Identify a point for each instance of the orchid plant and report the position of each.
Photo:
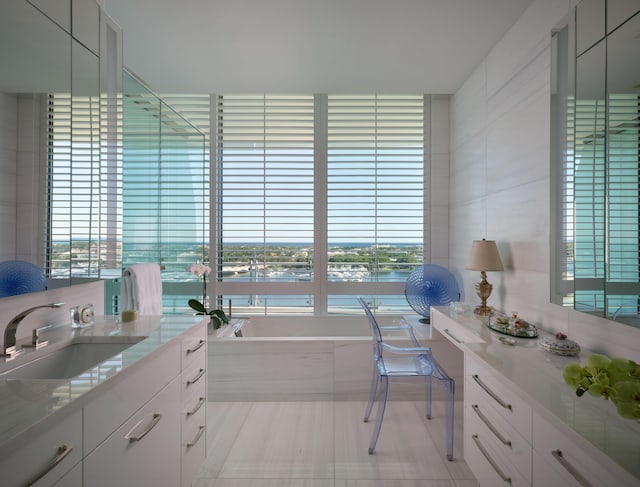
(217, 316)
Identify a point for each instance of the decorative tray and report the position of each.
(512, 326)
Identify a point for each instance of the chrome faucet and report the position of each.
(9, 346)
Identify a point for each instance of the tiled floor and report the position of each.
(324, 444)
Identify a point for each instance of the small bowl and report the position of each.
(560, 345)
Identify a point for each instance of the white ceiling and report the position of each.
(310, 46)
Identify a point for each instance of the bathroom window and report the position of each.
(318, 196)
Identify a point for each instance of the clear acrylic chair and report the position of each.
(391, 361)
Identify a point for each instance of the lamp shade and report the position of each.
(484, 256)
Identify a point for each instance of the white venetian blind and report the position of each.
(74, 246)
(376, 173)
(265, 151)
(623, 179)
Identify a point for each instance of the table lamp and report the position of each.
(484, 257)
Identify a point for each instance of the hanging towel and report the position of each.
(141, 289)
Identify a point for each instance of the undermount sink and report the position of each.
(68, 361)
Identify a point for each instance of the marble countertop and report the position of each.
(25, 404)
(537, 375)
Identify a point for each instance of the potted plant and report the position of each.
(217, 317)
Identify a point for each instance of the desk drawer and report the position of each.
(491, 391)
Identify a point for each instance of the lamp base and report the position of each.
(483, 289)
(483, 310)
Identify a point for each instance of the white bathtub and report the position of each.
(291, 358)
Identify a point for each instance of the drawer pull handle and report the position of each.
(196, 348)
(493, 429)
(196, 378)
(446, 330)
(197, 438)
(491, 393)
(154, 421)
(201, 401)
(557, 454)
(485, 453)
(61, 454)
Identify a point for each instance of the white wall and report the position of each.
(500, 181)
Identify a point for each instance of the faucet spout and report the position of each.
(9, 346)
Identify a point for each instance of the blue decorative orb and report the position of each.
(430, 285)
(20, 277)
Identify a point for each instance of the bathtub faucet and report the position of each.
(9, 346)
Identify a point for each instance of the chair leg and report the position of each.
(374, 390)
(428, 382)
(382, 402)
(451, 388)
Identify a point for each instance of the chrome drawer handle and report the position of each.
(446, 330)
(197, 438)
(201, 401)
(196, 348)
(557, 454)
(196, 378)
(490, 460)
(61, 454)
(493, 429)
(154, 421)
(491, 393)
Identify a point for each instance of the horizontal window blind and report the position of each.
(589, 189)
(623, 179)
(265, 150)
(375, 181)
(75, 248)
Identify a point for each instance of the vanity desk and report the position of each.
(523, 425)
(131, 412)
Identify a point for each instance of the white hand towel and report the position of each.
(141, 289)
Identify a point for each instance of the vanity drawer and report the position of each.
(505, 441)
(145, 447)
(562, 461)
(194, 381)
(51, 454)
(194, 441)
(491, 391)
(489, 467)
(101, 418)
(194, 346)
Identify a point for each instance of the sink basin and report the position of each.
(66, 362)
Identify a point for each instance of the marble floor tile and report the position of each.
(283, 440)
(224, 421)
(457, 468)
(404, 450)
(324, 444)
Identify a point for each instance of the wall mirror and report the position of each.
(596, 266)
(40, 57)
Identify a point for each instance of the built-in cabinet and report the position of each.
(148, 428)
(523, 426)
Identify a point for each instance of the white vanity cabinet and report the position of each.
(523, 426)
(193, 397)
(48, 459)
(497, 428)
(144, 450)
